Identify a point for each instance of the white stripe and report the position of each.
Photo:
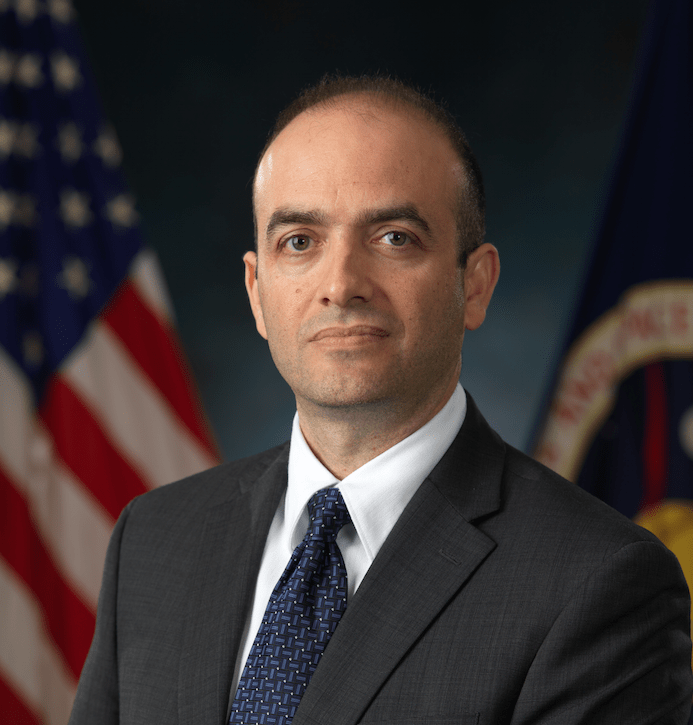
(149, 281)
(72, 524)
(28, 662)
(140, 422)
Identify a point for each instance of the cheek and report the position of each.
(443, 311)
(443, 298)
(281, 315)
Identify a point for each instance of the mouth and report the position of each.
(351, 331)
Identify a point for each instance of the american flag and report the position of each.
(96, 403)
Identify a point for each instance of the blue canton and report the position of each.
(301, 616)
(68, 226)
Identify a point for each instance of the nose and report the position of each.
(345, 275)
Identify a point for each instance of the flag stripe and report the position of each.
(78, 530)
(655, 450)
(29, 662)
(147, 277)
(159, 355)
(69, 622)
(85, 449)
(131, 411)
(66, 515)
(13, 710)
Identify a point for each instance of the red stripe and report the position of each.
(158, 353)
(87, 451)
(655, 450)
(69, 621)
(14, 711)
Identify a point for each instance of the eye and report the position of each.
(298, 243)
(397, 239)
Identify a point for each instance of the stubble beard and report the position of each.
(350, 394)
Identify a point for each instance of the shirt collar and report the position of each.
(377, 493)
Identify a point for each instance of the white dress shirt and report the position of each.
(375, 495)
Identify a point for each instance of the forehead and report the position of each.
(354, 154)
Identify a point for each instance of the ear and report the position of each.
(480, 277)
(251, 286)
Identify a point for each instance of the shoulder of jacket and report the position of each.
(200, 490)
(538, 490)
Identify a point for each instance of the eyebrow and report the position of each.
(285, 217)
(404, 212)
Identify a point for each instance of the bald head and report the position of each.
(371, 94)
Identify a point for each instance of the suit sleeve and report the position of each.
(97, 693)
(620, 651)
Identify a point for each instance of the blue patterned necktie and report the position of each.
(301, 616)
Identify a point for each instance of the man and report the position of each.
(466, 582)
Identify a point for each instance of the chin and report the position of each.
(345, 395)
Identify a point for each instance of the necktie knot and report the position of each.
(328, 514)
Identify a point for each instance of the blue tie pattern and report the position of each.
(301, 616)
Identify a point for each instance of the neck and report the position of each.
(345, 438)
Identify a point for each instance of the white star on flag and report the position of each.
(121, 211)
(70, 142)
(75, 278)
(8, 277)
(107, 148)
(74, 208)
(26, 10)
(65, 72)
(60, 10)
(28, 71)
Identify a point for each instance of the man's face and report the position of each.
(358, 289)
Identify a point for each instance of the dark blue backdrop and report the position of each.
(192, 89)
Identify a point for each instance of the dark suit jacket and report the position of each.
(504, 594)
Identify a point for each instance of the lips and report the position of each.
(351, 331)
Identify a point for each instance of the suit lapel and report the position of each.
(230, 551)
(430, 554)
